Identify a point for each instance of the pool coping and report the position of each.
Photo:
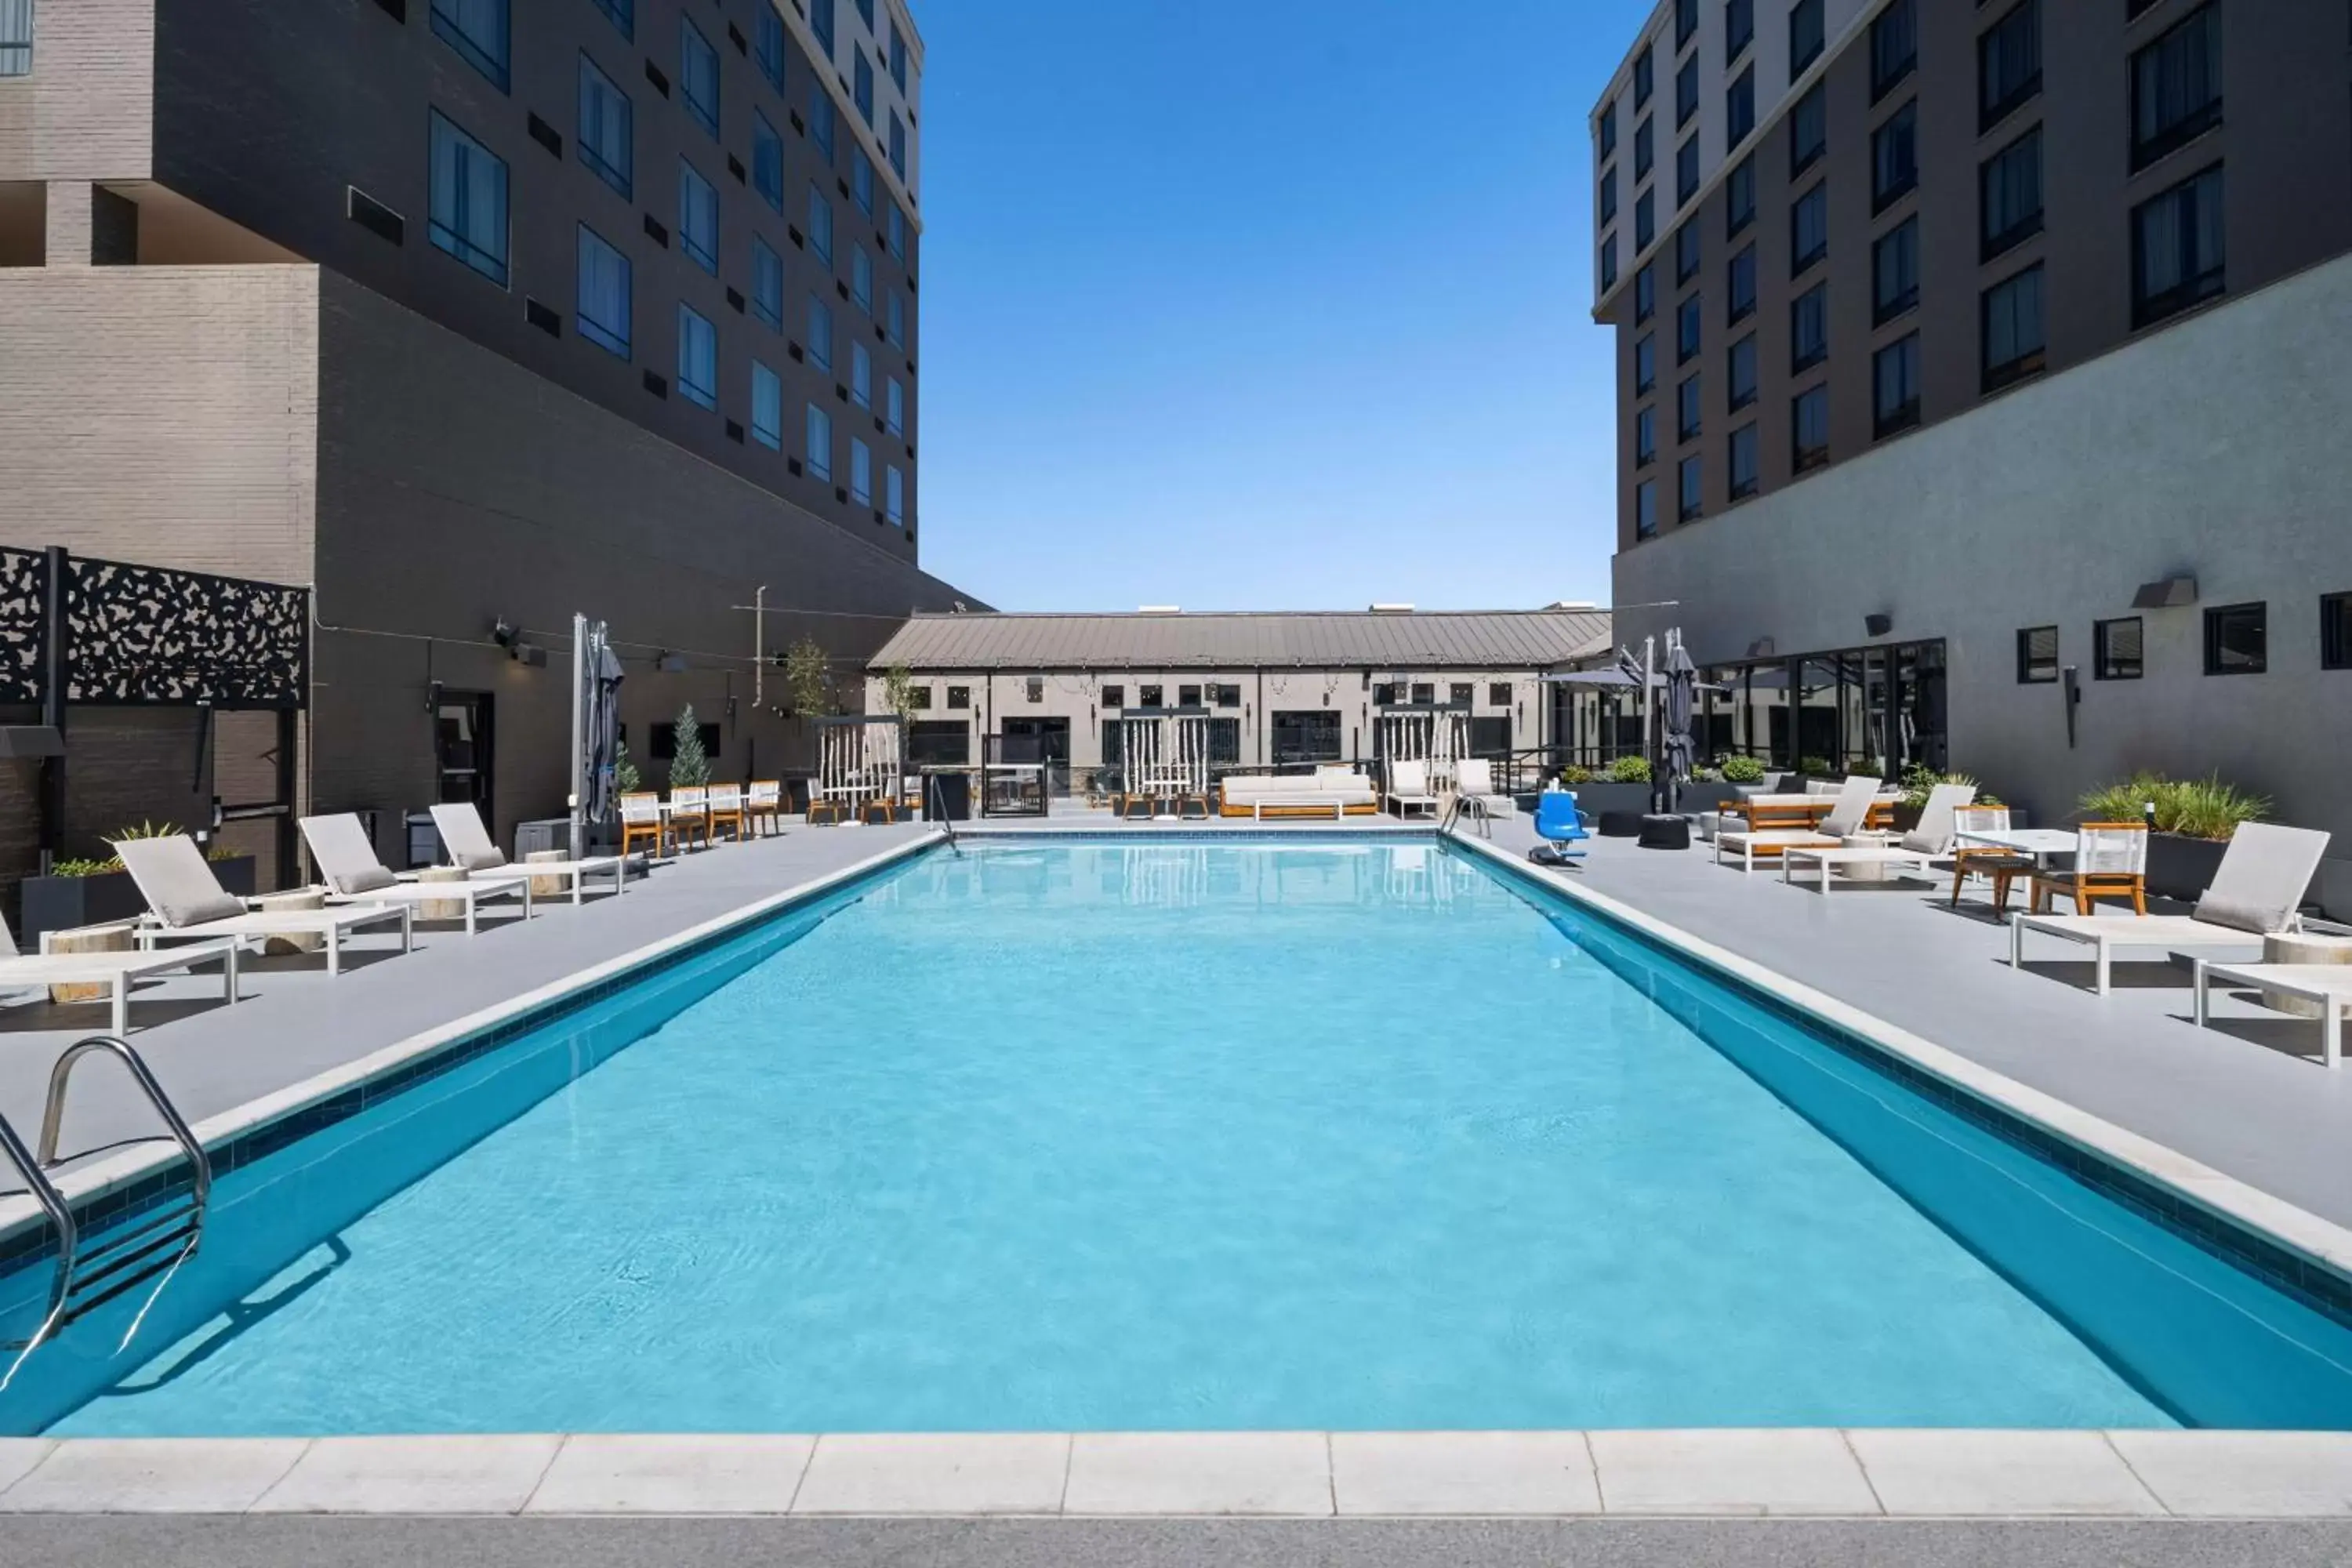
(1826, 1473)
(2321, 1243)
(114, 1174)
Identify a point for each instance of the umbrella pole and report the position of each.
(579, 684)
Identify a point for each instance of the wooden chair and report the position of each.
(2002, 865)
(725, 809)
(641, 822)
(690, 812)
(764, 805)
(2110, 862)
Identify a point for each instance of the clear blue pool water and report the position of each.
(1179, 1135)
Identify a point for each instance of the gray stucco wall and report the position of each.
(2216, 449)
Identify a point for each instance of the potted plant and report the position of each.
(88, 891)
(1919, 781)
(2190, 822)
(1622, 786)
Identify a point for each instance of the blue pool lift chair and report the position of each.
(1559, 824)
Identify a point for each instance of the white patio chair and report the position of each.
(353, 874)
(469, 844)
(186, 903)
(115, 970)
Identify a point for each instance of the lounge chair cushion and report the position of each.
(178, 886)
(339, 845)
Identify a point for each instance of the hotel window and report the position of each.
(16, 37)
(1112, 697)
(1646, 219)
(1742, 291)
(1149, 697)
(604, 140)
(816, 454)
(478, 30)
(698, 75)
(2176, 87)
(2008, 64)
(2116, 649)
(1895, 157)
(1646, 293)
(697, 358)
(898, 144)
(894, 405)
(1739, 26)
(1808, 423)
(1645, 510)
(1893, 47)
(1645, 364)
(1685, 21)
(1687, 321)
(1809, 329)
(820, 225)
(623, 14)
(820, 16)
(469, 201)
(820, 334)
(861, 472)
(1809, 131)
(1644, 78)
(1895, 374)
(1686, 252)
(1809, 229)
(1645, 436)
(1686, 92)
(1740, 108)
(1608, 129)
(1894, 272)
(861, 180)
(861, 92)
(767, 162)
(821, 118)
(1692, 481)
(2037, 656)
(1740, 367)
(1805, 36)
(1608, 263)
(767, 284)
(767, 407)
(959, 697)
(1459, 694)
(2336, 631)
(1686, 170)
(894, 495)
(2177, 248)
(895, 327)
(1609, 194)
(861, 280)
(861, 376)
(897, 56)
(1687, 409)
(600, 308)
(2237, 639)
(767, 45)
(2013, 346)
(697, 218)
(1743, 462)
(2009, 186)
(1739, 198)
(1645, 151)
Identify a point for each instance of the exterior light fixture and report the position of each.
(2170, 593)
(1878, 626)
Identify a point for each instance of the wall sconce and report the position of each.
(1878, 626)
(433, 696)
(530, 656)
(2172, 594)
(503, 632)
(670, 663)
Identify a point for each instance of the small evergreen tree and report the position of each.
(626, 779)
(689, 764)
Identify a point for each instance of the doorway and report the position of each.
(462, 734)
(1045, 741)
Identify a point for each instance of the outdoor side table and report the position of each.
(1866, 871)
(2302, 948)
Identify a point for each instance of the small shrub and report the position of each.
(1706, 775)
(1919, 781)
(2194, 808)
(625, 778)
(1575, 774)
(1816, 767)
(1629, 770)
(1742, 771)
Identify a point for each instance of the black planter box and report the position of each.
(1601, 795)
(2180, 867)
(62, 904)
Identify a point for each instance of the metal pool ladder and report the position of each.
(147, 1245)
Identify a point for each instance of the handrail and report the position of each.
(53, 1117)
(54, 1204)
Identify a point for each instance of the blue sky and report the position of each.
(1257, 304)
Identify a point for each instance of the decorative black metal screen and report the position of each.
(154, 636)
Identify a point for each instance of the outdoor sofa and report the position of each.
(1332, 792)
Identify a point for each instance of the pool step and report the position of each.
(93, 1271)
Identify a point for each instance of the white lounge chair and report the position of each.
(186, 903)
(1853, 808)
(2327, 986)
(469, 844)
(353, 875)
(1408, 788)
(115, 970)
(1925, 844)
(1473, 781)
(2255, 894)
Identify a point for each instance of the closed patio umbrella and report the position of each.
(604, 728)
(1682, 698)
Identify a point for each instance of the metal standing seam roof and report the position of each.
(1481, 639)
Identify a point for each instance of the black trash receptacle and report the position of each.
(947, 796)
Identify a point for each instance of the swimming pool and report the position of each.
(1176, 1133)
